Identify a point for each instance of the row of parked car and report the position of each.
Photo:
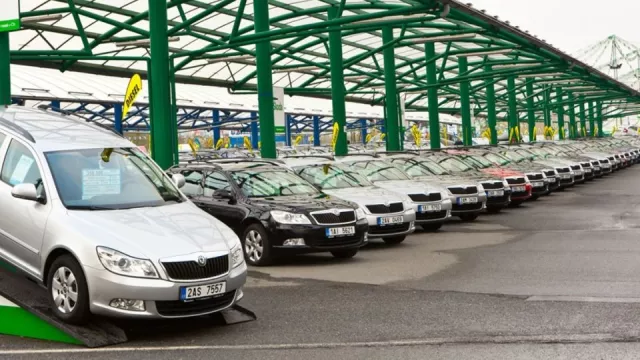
(311, 201)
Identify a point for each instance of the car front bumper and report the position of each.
(315, 237)
(378, 231)
(459, 208)
(428, 217)
(161, 297)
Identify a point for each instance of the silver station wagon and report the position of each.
(89, 216)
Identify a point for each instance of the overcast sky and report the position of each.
(569, 25)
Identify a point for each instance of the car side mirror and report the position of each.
(179, 180)
(25, 192)
(223, 194)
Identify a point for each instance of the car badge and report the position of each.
(386, 203)
(335, 212)
(202, 261)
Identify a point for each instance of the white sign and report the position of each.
(96, 182)
(10, 15)
(279, 120)
(21, 170)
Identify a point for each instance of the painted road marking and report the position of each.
(583, 299)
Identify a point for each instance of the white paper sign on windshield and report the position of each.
(97, 182)
(21, 170)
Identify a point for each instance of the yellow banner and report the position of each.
(133, 90)
(247, 144)
(334, 138)
(297, 141)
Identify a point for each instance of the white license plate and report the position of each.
(429, 208)
(597, 168)
(467, 200)
(537, 184)
(202, 291)
(552, 179)
(390, 220)
(565, 176)
(588, 171)
(578, 172)
(340, 231)
(495, 193)
(519, 189)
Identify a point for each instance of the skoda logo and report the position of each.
(335, 212)
(386, 203)
(202, 261)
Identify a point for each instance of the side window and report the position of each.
(215, 181)
(20, 167)
(193, 183)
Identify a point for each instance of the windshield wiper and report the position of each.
(89, 207)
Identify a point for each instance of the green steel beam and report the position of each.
(265, 82)
(5, 70)
(465, 104)
(161, 124)
(432, 96)
(337, 84)
(583, 118)
(513, 108)
(491, 108)
(592, 118)
(560, 113)
(391, 93)
(547, 107)
(599, 118)
(572, 117)
(531, 113)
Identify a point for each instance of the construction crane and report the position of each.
(615, 57)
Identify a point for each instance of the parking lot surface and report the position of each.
(556, 278)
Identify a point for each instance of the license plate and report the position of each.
(597, 168)
(537, 184)
(578, 172)
(565, 176)
(390, 220)
(340, 231)
(519, 189)
(495, 193)
(430, 207)
(202, 291)
(588, 171)
(467, 200)
(552, 179)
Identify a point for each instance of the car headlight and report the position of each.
(121, 264)
(237, 256)
(480, 189)
(284, 217)
(408, 204)
(360, 215)
(506, 184)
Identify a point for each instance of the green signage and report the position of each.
(280, 129)
(10, 16)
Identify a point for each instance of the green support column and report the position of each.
(592, 119)
(337, 85)
(5, 70)
(560, 112)
(583, 118)
(513, 109)
(491, 107)
(547, 107)
(162, 137)
(392, 118)
(432, 96)
(572, 117)
(465, 103)
(599, 118)
(265, 82)
(531, 113)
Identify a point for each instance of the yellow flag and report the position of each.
(368, 138)
(219, 144)
(247, 144)
(334, 139)
(382, 136)
(133, 90)
(106, 154)
(297, 141)
(192, 145)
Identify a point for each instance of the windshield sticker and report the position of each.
(21, 170)
(97, 182)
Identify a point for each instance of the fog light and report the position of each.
(126, 304)
(366, 236)
(412, 226)
(239, 294)
(294, 242)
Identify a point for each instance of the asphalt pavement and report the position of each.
(553, 279)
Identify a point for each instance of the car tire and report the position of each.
(256, 246)
(344, 254)
(395, 240)
(494, 210)
(66, 280)
(432, 227)
(468, 217)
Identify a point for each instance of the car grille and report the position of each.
(566, 181)
(431, 215)
(575, 167)
(539, 190)
(497, 199)
(425, 197)
(586, 165)
(492, 185)
(515, 181)
(338, 242)
(458, 190)
(383, 209)
(191, 270)
(535, 176)
(331, 218)
(195, 307)
(467, 207)
(550, 173)
(563, 170)
(388, 229)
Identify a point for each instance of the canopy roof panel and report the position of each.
(213, 43)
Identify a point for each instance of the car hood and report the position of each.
(451, 180)
(409, 186)
(367, 195)
(503, 172)
(154, 232)
(301, 203)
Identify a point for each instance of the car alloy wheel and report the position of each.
(64, 290)
(253, 246)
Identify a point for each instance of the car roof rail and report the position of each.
(17, 128)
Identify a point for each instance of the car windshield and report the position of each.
(455, 165)
(421, 168)
(378, 171)
(496, 159)
(272, 182)
(331, 176)
(481, 161)
(527, 154)
(513, 155)
(109, 179)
